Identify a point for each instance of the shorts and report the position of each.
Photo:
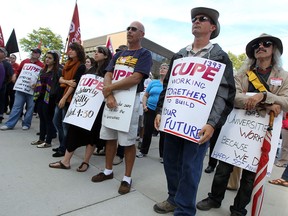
(124, 138)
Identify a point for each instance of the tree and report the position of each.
(237, 60)
(44, 38)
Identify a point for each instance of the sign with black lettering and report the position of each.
(241, 138)
(86, 102)
(27, 78)
(190, 94)
(119, 118)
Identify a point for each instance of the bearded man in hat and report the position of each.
(183, 159)
(264, 61)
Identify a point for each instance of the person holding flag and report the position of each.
(262, 74)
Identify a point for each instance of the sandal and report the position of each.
(79, 169)
(280, 182)
(58, 165)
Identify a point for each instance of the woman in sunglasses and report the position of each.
(77, 136)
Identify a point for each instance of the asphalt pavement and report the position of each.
(28, 187)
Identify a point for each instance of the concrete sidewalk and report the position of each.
(29, 187)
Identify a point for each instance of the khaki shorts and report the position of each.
(124, 138)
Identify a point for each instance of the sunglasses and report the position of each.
(134, 29)
(201, 19)
(264, 44)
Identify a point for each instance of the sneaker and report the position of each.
(4, 127)
(44, 145)
(124, 187)
(58, 154)
(101, 177)
(164, 207)
(25, 128)
(37, 142)
(140, 155)
(207, 204)
(117, 160)
(161, 160)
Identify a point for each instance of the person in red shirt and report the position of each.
(27, 74)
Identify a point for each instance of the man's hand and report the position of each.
(252, 101)
(275, 108)
(205, 133)
(111, 102)
(106, 91)
(157, 121)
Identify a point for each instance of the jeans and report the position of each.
(46, 113)
(219, 186)
(285, 174)
(183, 163)
(20, 99)
(61, 127)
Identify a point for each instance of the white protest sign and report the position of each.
(241, 138)
(190, 94)
(86, 102)
(120, 117)
(27, 77)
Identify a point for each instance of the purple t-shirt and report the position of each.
(140, 60)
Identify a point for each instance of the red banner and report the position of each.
(1, 38)
(109, 46)
(74, 32)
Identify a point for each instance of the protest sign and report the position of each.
(241, 138)
(27, 78)
(86, 102)
(119, 118)
(190, 94)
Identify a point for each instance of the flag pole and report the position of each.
(67, 38)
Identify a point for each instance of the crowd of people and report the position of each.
(51, 87)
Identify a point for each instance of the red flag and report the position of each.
(1, 38)
(12, 45)
(109, 46)
(258, 187)
(74, 32)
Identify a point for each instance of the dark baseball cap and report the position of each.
(37, 50)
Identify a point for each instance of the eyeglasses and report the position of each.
(264, 44)
(201, 19)
(134, 29)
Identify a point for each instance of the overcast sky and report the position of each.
(167, 22)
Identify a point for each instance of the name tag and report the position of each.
(276, 81)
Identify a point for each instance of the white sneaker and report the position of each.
(44, 145)
(140, 155)
(25, 128)
(4, 127)
(117, 160)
